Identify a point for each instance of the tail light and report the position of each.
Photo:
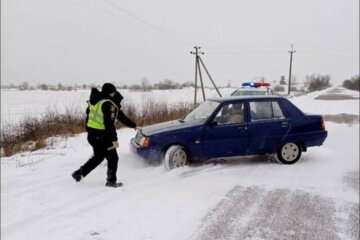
(322, 124)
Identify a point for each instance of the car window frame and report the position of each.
(215, 113)
(206, 120)
(269, 91)
(285, 118)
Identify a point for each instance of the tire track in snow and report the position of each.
(255, 213)
(225, 214)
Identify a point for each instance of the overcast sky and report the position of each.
(97, 41)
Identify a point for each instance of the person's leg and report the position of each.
(112, 159)
(95, 160)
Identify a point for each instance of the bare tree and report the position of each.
(24, 86)
(229, 84)
(316, 82)
(294, 83)
(60, 86)
(352, 83)
(43, 87)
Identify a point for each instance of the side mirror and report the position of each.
(213, 123)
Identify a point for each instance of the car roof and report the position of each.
(260, 89)
(252, 97)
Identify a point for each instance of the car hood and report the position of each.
(167, 127)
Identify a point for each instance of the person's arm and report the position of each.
(125, 120)
(87, 118)
(87, 115)
(109, 121)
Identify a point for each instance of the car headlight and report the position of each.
(144, 141)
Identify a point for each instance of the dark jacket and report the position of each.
(121, 115)
(109, 115)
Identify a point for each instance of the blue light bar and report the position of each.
(255, 85)
(248, 84)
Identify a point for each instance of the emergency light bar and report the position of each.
(256, 85)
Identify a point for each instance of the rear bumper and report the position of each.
(148, 154)
(316, 139)
(309, 139)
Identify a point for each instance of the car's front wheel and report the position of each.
(176, 156)
(288, 153)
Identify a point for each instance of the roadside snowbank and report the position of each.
(40, 200)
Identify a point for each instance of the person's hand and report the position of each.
(115, 144)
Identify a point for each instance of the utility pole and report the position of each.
(199, 61)
(197, 68)
(291, 54)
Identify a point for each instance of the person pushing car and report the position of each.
(102, 113)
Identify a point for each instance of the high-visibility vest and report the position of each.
(96, 116)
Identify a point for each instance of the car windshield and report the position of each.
(202, 112)
(248, 92)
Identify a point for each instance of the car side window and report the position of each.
(230, 113)
(265, 110)
(277, 110)
(260, 110)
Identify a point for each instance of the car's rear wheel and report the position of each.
(288, 153)
(176, 156)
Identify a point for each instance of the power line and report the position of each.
(134, 21)
(246, 52)
(327, 54)
(88, 7)
(326, 49)
(146, 23)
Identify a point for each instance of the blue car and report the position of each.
(232, 126)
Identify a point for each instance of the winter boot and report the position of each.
(77, 175)
(111, 176)
(113, 184)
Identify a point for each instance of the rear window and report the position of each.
(265, 110)
(248, 93)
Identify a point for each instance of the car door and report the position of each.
(226, 134)
(267, 126)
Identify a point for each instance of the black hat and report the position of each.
(108, 88)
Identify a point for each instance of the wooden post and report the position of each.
(291, 55)
(202, 63)
(201, 81)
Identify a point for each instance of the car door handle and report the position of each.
(284, 124)
(242, 129)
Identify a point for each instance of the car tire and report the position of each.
(288, 153)
(176, 156)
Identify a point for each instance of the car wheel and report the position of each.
(289, 153)
(175, 157)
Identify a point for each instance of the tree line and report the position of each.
(313, 82)
(145, 85)
(317, 82)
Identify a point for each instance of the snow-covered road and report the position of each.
(245, 198)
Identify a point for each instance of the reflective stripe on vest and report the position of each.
(96, 116)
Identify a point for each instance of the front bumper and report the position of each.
(150, 154)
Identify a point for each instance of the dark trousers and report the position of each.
(100, 146)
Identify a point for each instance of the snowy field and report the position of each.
(17, 104)
(245, 198)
